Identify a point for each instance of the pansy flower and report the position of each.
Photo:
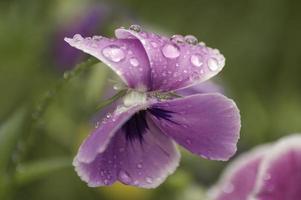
(269, 172)
(135, 144)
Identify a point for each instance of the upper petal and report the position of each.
(98, 140)
(143, 164)
(175, 64)
(279, 175)
(205, 124)
(238, 179)
(126, 57)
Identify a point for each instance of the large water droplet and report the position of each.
(196, 60)
(190, 39)
(171, 51)
(113, 53)
(77, 37)
(134, 62)
(135, 27)
(125, 177)
(177, 39)
(212, 64)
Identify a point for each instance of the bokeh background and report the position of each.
(259, 38)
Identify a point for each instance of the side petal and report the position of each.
(205, 124)
(206, 87)
(125, 56)
(279, 175)
(175, 64)
(143, 164)
(98, 140)
(238, 179)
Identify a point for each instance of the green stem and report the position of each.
(106, 102)
(45, 101)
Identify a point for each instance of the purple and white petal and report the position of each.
(126, 57)
(279, 175)
(98, 140)
(143, 164)
(205, 124)
(206, 87)
(238, 179)
(176, 62)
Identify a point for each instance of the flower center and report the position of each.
(137, 125)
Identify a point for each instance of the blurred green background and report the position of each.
(259, 38)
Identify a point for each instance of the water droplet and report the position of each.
(134, 62)
(97, 37)
(212, 64)
(97, 124)
(149, 179)
(77, 38)
(135, 28)
(188, 141)
(202, 44)
(190, 39)
(106, 181)
(170, 51)
(139, 166)
(125, 177)
(113, 53)
(177, 39)
(196, 60)
(154, 44)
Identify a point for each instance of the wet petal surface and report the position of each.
(126, 57)
(143, 164)
(205, 124)
(176, 62)
(98, 140)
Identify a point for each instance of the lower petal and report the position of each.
(205, 124)
(143, 164)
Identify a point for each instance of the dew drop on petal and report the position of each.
(135, 28)
(77, 37)
(196, 60)
(154, 44)
(124, 177)
(97, 38)
(212, 64)
(134, 62)
(190, 39)
(139, 166)
(113, 53)
(177, 39)
(170, 51)
(106, 181)
(149, 179)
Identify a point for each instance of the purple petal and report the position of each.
(125, 56)
(175, 63)
(206, 124)
(238, 180)
(206, 87)
(98, 140)
(144, 164)
(279, 175)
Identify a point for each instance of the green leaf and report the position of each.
(106, 102)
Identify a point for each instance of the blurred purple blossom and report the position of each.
(269, 172)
